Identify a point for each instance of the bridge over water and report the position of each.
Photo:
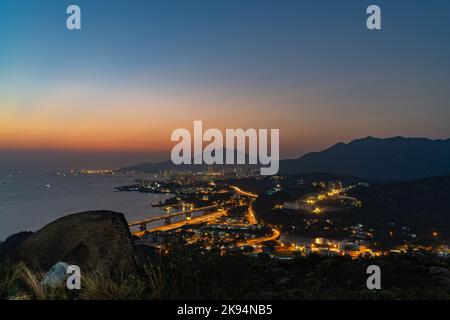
(167, 218)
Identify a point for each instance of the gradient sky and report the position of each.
(112, 93)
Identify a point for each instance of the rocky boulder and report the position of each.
(96, 241)
(10, 244)
(56, 275)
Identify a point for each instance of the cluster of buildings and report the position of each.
(327, 247)
(211, 172)
(333, 198)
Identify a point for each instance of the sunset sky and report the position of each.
(112, 93)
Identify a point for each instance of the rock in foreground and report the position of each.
(11, 243)
(97, 241)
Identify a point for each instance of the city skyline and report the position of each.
(113, 92)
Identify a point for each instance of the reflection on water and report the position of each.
(29, 200)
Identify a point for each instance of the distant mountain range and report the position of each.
(396, 158)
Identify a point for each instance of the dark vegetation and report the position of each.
(190, 272)
(210, 276)
(421, 205)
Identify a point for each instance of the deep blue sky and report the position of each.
(144, 68)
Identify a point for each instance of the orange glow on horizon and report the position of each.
(97, 118)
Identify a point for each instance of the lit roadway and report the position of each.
(137, 223)
(204, 218)
(275, 234)
(176, 225)
(251, 218)
(245, 193)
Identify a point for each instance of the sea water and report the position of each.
(31, 199)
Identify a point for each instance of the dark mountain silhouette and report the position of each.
(168, 165)
(390, 159)
(396, 158)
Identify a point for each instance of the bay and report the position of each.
(31, 199)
